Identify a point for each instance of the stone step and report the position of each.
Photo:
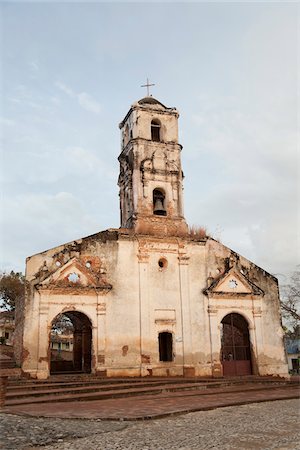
(21, 387)
(7, 365)
(7, 361)
(106, 392)
(23, 391)
(41, 386)
(91, 378)
(136, 381)
(81, 379)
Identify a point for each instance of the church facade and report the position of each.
(152, 298)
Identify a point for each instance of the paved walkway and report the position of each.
(258, 426)
(154, 406)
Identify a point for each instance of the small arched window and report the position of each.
(165, 343)
(159, 203)
(155, 130)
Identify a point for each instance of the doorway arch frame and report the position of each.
(240, 368)
(91, 340)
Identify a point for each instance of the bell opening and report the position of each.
(159, 203)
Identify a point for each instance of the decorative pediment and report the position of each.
(233, 284)
(75, 277)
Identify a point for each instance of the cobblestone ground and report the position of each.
(273, 425)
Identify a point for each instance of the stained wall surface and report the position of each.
(133, 287)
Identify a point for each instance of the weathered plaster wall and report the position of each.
(262, 312)
(146, 299)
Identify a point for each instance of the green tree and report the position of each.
(12, 290)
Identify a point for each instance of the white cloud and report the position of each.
(34, 68)
(52, 164)
(55, 100)
(65, 89)
(250, 148)
(81, 160)
(26, 95)
(7, 122)
(14, 100)
(54, 219)
(86, 101)
(34, 65)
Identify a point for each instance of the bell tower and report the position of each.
(150, 180)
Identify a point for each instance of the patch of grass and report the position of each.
(198, 232)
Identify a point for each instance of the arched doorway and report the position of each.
(71, 343)
(235, 346)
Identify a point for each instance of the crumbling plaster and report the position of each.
(146, 299)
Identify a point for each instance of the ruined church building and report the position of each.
(151, 298)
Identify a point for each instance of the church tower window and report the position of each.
(151, 177)
(155, 130)
(165, 342)
(159, 203)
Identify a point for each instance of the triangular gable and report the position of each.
(74, 275)
(233, 283)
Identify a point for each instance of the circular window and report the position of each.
(58, 263)
(162, 263)
(232, 284)
(88, 264)
(73, 277)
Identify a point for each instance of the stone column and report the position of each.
(101, 325)
(215, 342)
(186, 324)
(30, 350)
(143, 259)
(256, 340)
(43, 340)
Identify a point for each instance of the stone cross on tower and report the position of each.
(147, 85)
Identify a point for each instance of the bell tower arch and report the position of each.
(151, 178)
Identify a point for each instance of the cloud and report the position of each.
(50, 164)
(88, 103)
(34, 67)
(81, 160)
(55, 100)
(65, 89)
(249, 150)
(85, 100)
(26, 95)
(65, 212)
(7, 122)
(257, 216)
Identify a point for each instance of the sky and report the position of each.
(69, 73)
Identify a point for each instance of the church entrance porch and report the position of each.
(235, 346)
(71, 343)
